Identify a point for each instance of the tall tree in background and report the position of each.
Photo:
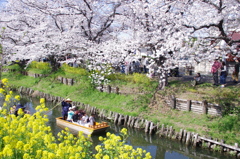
(109, 31)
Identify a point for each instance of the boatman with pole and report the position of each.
(66, 104)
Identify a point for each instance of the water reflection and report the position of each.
(160, 148)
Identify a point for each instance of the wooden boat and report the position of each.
(75, 128)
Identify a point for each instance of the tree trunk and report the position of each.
(163, 78)
(53, 62)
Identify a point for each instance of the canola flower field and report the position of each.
(28, 137)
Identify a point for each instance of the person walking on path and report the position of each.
(236, 71)
(215, 67)
(223, 74)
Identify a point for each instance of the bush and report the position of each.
(141, 79)
(15, 67)
(72, 70)
(134, 78)
(39, 65)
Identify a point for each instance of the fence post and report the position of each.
(109, 88)
(117, 90)
(173, 102)
(101, 88)
(189, 104)
(205, 107)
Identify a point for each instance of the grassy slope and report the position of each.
(136, 101)
(130, 104)
(226, 127)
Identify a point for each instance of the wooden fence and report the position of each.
(188, 138)
(200, 107)
(108, 89)
(66, 81)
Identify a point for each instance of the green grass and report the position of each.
(13, 67)
(135, 99)
(226, 127)
(82, 91)
(20, 80)
(38, 71)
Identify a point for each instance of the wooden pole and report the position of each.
(189, 104)
(205, 107)
(174, 102)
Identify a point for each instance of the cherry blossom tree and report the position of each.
(110, 31)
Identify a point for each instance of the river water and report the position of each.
(160, 148)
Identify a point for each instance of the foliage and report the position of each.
(20, 80)
(39, 67)
(98, 78)
(141, 78)
(226, 123)
(7, 95)
(115, 147)
(134, 78)
(73, 71)
(15, 67)
(28, 136)
(82, 91)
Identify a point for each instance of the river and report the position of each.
(160, 148)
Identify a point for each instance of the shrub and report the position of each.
(141, 79)
(40, 65)
(74, 70)
(15, 67)
(134, 78)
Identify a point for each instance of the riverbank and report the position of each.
(136, 101)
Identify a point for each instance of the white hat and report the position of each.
(68, 100)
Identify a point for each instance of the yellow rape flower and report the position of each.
(124, 131)
(19, 145)
(2, 91)
(17, 97)
(26, 156)
(5, 81)
(26, 147)
(100, 138)
(106, 157)
(7, 151)
(108, 134)
(42, 100)
(98, 147)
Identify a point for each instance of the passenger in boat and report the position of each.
(75, 117)
(74, 108)
(84, 119)
(66, 104)
(70, 115)
(92, 120)
(12, 109)
(80, 113)
(18, 107)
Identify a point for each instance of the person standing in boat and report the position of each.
(92, 120)
(66, 104)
